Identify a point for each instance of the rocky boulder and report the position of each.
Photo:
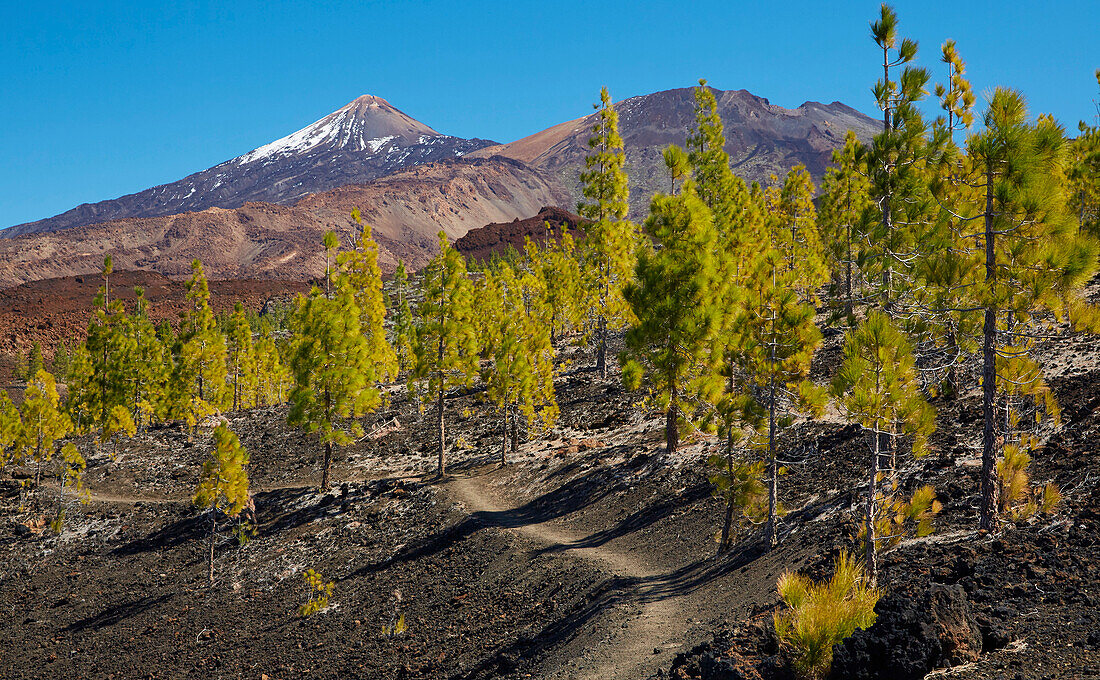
(912, 636)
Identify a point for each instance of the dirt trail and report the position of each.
(626, 653)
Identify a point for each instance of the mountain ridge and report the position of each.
(366, 139)
(761, 138)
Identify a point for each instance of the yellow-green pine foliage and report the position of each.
(150, 366)
(957, 97)
(11, 428)
(403, 327)
(335, 378)
(738, 230)
(673, 298)
(841, 221)
(793, 230)
(611, 239)
(118, 422)
(1084, 175)
(519, 376)
(242, 359)
(446, 345)
(105, 380)
(770, 342)
(895, 164)
(1036, 257)
(740, 484)
(878, 388)
(561, 282)
(199, 385)
(273, 377)
(70, 479)
(359, 269)
(820, 615)
(318, 591)
(35, 363)
(43, 422)
(223, 482)
(949, 264)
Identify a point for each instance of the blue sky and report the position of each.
(101, 99)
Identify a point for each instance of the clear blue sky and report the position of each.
(100, 99)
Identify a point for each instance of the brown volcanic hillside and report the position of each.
(761, 139)
(52, 311)
(267, 241)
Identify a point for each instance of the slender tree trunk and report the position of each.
(773, 463)
(672, 430)
(601, 348)
(870, 556)
(213, 535)
(848, 307)
(441, 469)
(504, 438)
(727, 526)
(989, 374)
(515, 429)
(328, 445)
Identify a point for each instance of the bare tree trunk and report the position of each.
(441, 469)
(727, 526)
(328, 445)
(515, 429)
(870, 557)
(504, 439)
(773, 464)
(601, 349)
(672, 430)
(989, 376)
(327, 467)
(213, 535)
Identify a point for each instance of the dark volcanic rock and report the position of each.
(911, 637)
(481, 244)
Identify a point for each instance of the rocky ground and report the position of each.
(590, 555)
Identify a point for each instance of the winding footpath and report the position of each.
(627, 651)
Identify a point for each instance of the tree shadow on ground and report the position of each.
(116, 613)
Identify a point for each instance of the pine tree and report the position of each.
(948, 268)
(561, 282)
(673, 298)
(894, 160)
(519, 376)
(877, 386)
(611, 239)
(1084, 174)
(403, 327)
(793, 228)
(1035, 258)
(11, 428)
(334, 377)
(359, 270)
(199, 385)
(151, 366)
(844, 203)
(43, 422)
(771, 341)
(446, 333)
(35, 363)
(723, 192)
(274, 380)
(242, 359)
(70, 477)
(223, 483)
